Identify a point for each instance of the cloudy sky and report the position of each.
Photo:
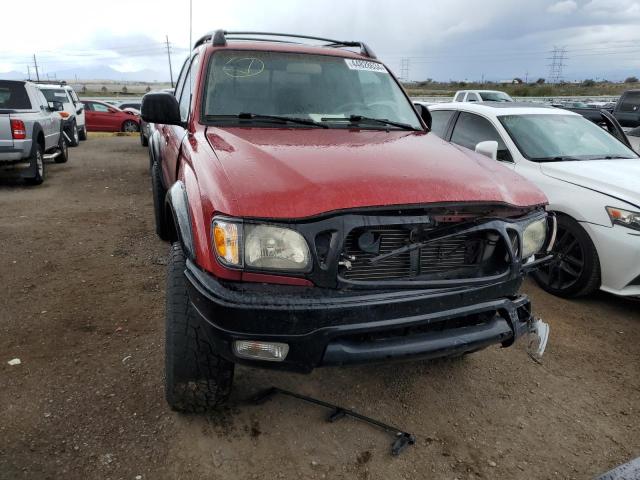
(446, 39)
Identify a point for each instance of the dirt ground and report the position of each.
(81, 305)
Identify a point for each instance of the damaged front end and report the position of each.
(426, 283)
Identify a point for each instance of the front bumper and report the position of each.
(618, 250)
(335, 327)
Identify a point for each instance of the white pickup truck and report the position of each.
(31, 131)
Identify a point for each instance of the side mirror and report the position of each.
(488, 149)
(161, 107)
(79, 108)
(424, 114)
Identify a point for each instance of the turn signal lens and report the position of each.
(269, 351)
(64, 114)
(227, 241)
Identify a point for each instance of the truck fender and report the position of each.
(177, 206)
(154, 147)
(37, 130)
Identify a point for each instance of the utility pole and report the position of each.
(404, 69)
(169, 56)
(28, 72)
(35, 63)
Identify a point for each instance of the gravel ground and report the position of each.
(81, 305)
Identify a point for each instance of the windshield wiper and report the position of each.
(361, 119)
(558, 158)
(258, 116)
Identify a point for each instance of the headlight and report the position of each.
(624, 217)
(262, 247)
(534, 237)
(275, 248)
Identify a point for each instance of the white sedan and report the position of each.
(591, 179)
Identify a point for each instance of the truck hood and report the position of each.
(296, 173)
(615, 178)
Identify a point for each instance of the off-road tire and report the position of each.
(196, 378)
(37, 160)
(589, 279)
(82, 133)
(159, 193)
(63, 147)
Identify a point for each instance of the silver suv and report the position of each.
(31, 131)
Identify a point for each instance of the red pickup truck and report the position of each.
(316, 221)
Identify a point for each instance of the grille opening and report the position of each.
(472, 255)
(381, 336)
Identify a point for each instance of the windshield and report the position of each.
(495, 97)
(321, 88)
(55, 94)
(543, 137)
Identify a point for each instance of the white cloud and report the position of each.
(563, 8)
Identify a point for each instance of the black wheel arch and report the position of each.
(178, 218)
(37, 136)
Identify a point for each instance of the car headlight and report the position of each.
(263, 247)
(274, 248)
(533, 238)
(625, 218)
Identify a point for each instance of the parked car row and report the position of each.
(32, 130)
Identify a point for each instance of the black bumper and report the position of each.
(331, 327)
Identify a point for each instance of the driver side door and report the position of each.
(470, 129)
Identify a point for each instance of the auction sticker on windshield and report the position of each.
(365, 65)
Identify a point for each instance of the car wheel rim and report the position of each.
(76, 136)
(130, 127)
(39, 164)
(568, 265)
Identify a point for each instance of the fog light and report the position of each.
(269, 351)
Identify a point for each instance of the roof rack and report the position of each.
(219, 38)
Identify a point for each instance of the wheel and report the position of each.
(130, 126)
(37, 162)
(159, 194)
(144, 141)
(74, 135)
(576, 270)
(196, 378)
(82, 134)
(63, 147)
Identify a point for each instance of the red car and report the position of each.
(102, 117)
(317, 221)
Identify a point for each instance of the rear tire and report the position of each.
(37, 162)
(197, 379)
(159, 193)
(576, 270)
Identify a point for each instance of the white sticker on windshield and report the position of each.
(63, 95)
(365, 65)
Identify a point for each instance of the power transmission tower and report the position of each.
(405, 64)
(557, 64)
(169, 56)
(35, 63)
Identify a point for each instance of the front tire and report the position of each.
(576, 270)
(197, 379)
(130, 126)
(144, 141)
(74, 135)
(63, 147)
(82, 134)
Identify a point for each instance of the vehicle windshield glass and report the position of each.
(543, 137)
(13, 96)
(310, 87)
(495, 97)
(55, 94)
